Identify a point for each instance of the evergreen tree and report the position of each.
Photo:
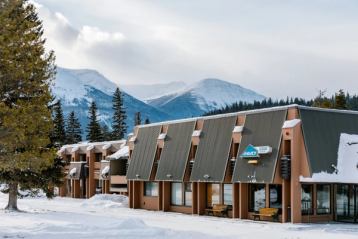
(137, 119)
(73, 129)
(94, 132)
(147, 121)
(58, 135)
(340, 101)
(119, 126)
(106, 134)
(26, 72)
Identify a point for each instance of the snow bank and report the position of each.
(347, 163)
(106, 201)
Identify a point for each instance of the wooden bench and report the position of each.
(218, 210)
(267, 212)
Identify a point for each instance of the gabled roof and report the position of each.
(141, 163)
(175, 153)
(261, 129)
(213, 150)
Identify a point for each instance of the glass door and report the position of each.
(347, 203)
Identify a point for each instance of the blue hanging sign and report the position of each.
(250, 152)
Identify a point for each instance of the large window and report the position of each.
(176, 194)
(228, 194)
(306, 199)
(151, 189)
(323, 198)
(275, 196)
(257, 197)
(188, 194)
(212, 194)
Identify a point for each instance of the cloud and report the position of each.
(276, 48)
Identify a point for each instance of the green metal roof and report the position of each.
(213, 149)
(141, 162)
(260, 129)
(175, 153)
(321, 131)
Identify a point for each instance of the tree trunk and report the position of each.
(12, 204)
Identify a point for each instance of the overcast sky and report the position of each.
(276, 48)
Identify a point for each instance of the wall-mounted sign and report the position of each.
(255, 152)
(250, 152)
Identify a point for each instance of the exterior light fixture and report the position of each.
(206, 176)
(169, 176)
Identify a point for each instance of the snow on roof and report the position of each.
(346, 170)
(90, 146)
(123, 152)
(162, 136)
(238, 129)
(290, 123)
(196, 133)
(107, 146)
(74, 149)
(105, 171)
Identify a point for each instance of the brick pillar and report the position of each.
(243, 200)
(76, 189)
(166, 196)
(136, 194)
(90, 180)
(195, 198)
(201, 198)
(235, 200)
(285, 199)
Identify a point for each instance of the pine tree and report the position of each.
(94, 133)
(119, 126)
(26, 72)
(58, 134)
(73, 129)
(107, 135)
(340, 101)
(147, 121)
(137, 119)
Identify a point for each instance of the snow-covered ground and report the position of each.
(108, 217)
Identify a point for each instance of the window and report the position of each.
(275, 196)
(98, 157)
(176, 194)
(151, 189)
(228, 194)
(82, 157)
(306, 199)
(257, 197)
(188, 194)
(212, 194)
(323, 198)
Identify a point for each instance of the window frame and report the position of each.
(252, 196)
(329, 199)
(156, 194)
(312, 200)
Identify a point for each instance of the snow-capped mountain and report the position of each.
(78, 88)
(152, 91)
(203, 96)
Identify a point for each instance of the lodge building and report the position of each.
(290, 164)
(93, 168)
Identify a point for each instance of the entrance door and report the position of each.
(347, 203)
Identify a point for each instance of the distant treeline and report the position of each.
(339, 100)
